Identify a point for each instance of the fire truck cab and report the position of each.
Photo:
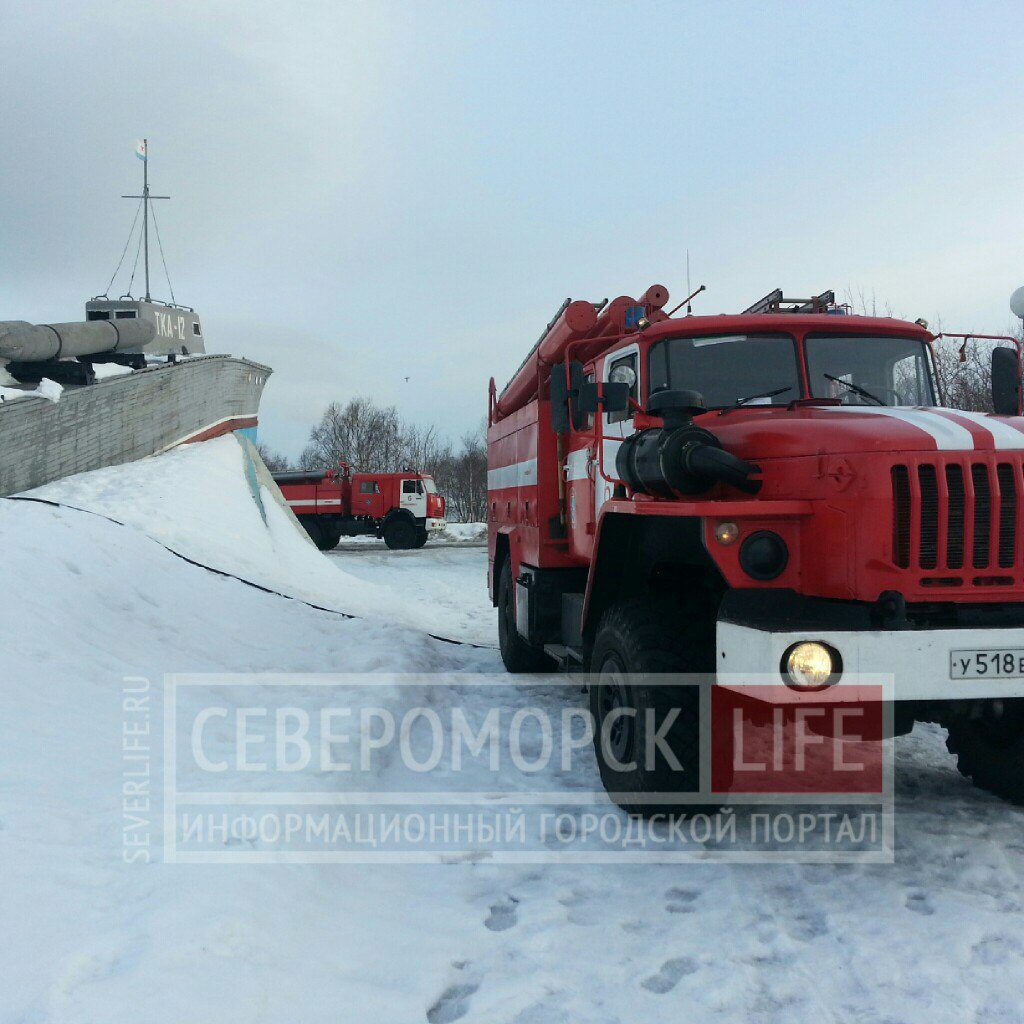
(402, 508)
(778, 491)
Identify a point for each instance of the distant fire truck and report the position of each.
(774, 492)
(403, 508)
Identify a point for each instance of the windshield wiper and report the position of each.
(751, 398)
(863, 392)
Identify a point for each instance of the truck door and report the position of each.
(623, 365)
(367, 499)
(414, 498)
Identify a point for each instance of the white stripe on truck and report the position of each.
(1004, 436)
(520, 474)
(947, 435)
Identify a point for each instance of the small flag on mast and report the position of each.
(140, 150)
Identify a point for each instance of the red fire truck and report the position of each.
(778, 491)
(403, 508)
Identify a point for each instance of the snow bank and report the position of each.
(87, 937)
(466, 533)
(198, 501)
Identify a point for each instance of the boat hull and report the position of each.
(124, 418)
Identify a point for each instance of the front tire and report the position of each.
(990, 751)
(637, 642)
(400, 533)
(516, 654)
(421, 537)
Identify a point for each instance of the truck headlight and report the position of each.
(809, 665)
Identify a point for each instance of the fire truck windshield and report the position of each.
(728, 368)
(896, 371)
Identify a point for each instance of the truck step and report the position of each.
(563, 654)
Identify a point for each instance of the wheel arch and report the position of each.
(397, 513)
(640, 555)
(506, 545)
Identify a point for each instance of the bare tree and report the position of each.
(462, 477)
(964, 369)
(866, 305)
(365, 436)
(423, 447)
(274, 461)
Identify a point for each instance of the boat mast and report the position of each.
(145, 212)
(145, 197)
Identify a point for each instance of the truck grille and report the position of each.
(959, 516)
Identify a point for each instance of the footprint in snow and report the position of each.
(669, 975)
(452, 1005)
(920, 904)
(502, 916)
(581, 909)
(995, 949)
(807, 924)
(680, 901)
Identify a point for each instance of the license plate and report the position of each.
(990, 663)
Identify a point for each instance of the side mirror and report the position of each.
(574, 400)
(611, 396)
(1005, 381)
(565, 397)
(616, 395)
(559, 400)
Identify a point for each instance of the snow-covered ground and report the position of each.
(451, 578)
(453, 535)
(86, 937)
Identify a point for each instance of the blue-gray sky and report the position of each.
(368, 191)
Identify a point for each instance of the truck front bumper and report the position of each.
(434, 525)
(919, 660)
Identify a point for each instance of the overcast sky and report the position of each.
(364, 192)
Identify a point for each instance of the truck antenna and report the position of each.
(686, 301)
(689, 294)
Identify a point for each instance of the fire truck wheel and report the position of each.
(323, 535)
(331, 536)
(516, 653)
(638, 639)
(421, 538)
(400, 533)
(312, 527)
(990, 751)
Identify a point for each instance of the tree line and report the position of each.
(375, 439)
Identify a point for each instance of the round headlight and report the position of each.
(727, 533)
(809, 665)
(763, 555)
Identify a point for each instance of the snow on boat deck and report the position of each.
(937, 937)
